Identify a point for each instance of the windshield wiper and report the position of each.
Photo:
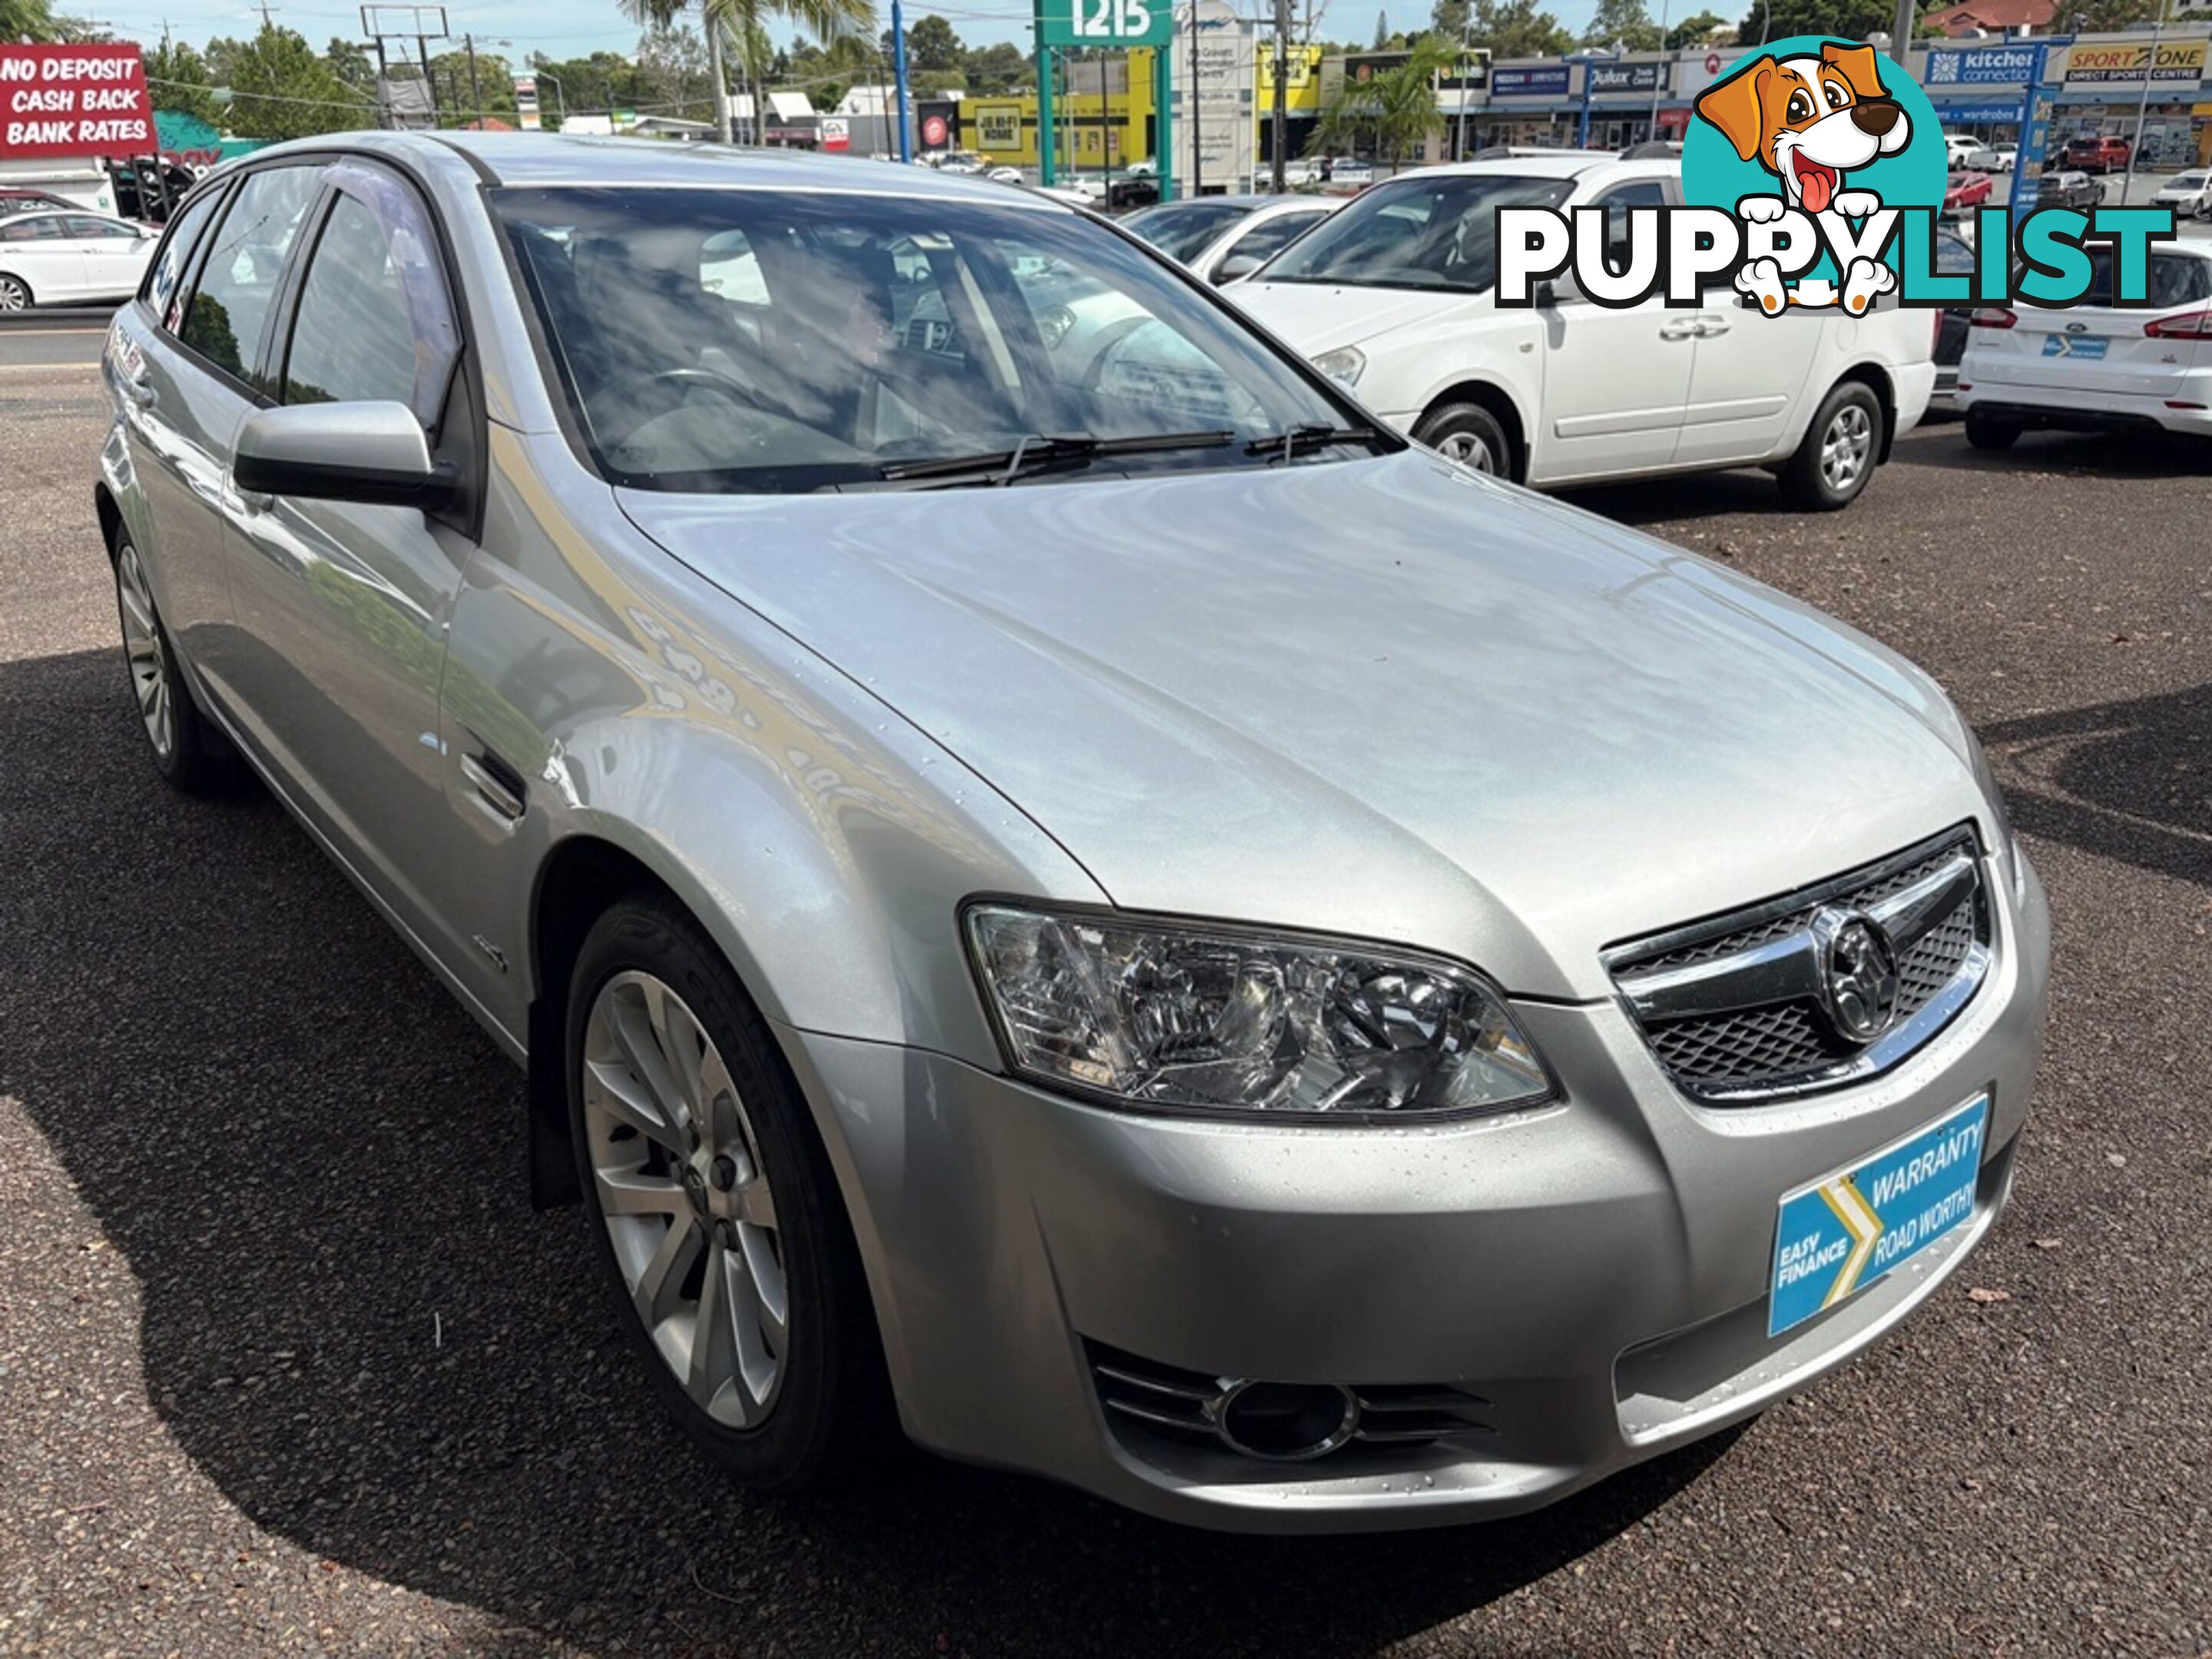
(1040, 452)
(1314, 436)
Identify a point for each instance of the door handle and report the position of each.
(498, 786)
(255, 502)
(1681, 328)
(1709, 326)
(137, 391)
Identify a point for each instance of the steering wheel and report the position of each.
(667, 386)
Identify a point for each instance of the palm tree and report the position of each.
(1392, 113)
(744, 23)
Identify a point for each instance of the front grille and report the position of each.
(1744, 1007)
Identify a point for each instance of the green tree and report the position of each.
(1382, 23)
(2095, 14)
(1000, 67)
(280, 88)
(176, 78)
(1851, 20)
(1391, 113)
(350, 62)
(463, 98)
(1624, 23)
(25, 19)
(1692, 31)
(1516, 28)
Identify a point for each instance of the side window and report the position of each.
(1616, 202)
(43, 229)
(1264, 240)
(85, 226)
(352, 341)
(374, 321)
(165, 280)
(238, 282)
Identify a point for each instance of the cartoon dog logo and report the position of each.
(1809, 121)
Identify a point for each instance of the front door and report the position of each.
(342, 608)
(111, 253)
(1750, 376)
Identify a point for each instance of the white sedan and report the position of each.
(2097, 368)
(1992, 158)
(71, 258)
(1222, 238)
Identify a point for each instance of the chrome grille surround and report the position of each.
(1740, 1008)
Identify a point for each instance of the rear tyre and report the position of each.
(15, 293)
(1838, 456)
(1984, 433)
(188, 751)
(1467, 434)
(716, 1217)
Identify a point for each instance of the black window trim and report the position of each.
(246, 388)
(214, 191)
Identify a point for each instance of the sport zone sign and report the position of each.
(73, 101)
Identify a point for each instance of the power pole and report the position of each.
(476, 91)
(1907, 20)
(898, 79)
(1278, 118)
(1197, 155)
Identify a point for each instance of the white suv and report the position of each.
(1392, 297)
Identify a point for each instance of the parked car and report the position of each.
(2068, 189)
(906, 851)
(958, 161)
(2098, 366)
(18, 199)
(2094, 153)
(1006, 176)
(1131, 189)
(2189, 194)
(1223, 237)
(1993, 158)
(1391, 296)
(49, 258)
(1957, 147)
(1954, 257)
(1965, 190)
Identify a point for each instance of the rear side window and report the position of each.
(238, 283)
(40, 229)
(165, 282)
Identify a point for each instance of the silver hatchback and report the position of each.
(1057, 888)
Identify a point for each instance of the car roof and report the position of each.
(1562, 164)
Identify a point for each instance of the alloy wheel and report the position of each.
(1846, 447)
(1469, 449)
(677, 1171)
(142, 649)
(14, 296)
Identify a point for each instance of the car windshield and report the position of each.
(1182, 229)
(2187, 181)
(1439, 232)
(756, 341)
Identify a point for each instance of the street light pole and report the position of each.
(1278, 120)
(2142, 103)
(898, 79)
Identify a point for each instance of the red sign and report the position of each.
(934, 132)
(73, 101)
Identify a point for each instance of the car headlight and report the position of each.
(1342, 365)
(1202, 1019)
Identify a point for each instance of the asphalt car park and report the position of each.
(288, 1362)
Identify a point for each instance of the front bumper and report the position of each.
(1596, 1271)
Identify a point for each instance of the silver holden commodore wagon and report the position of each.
(1058, 887)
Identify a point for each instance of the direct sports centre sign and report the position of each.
(73, 101)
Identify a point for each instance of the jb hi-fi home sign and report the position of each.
(73, 101)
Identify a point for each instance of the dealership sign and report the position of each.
(1608, 78)
(1979, 66)
(1528, 83)
(73, 101)
(2180, 63)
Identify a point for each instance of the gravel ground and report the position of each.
(288, 1363)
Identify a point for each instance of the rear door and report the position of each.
(198, 373)
(114, 254)
(2100, 348)
(343, 607)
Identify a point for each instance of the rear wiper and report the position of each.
(1039, 452)
(1314, 436)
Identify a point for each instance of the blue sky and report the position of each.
(572, 28)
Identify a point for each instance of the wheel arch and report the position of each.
(1876, 378)
(1501, 403)
(30, 293)
(110, 513)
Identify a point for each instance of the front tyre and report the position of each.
(1838, 456)
(188, 752)
(717, 1218)
(15, 293)
(1467, 434)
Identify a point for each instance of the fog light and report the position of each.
(1288, 1422)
